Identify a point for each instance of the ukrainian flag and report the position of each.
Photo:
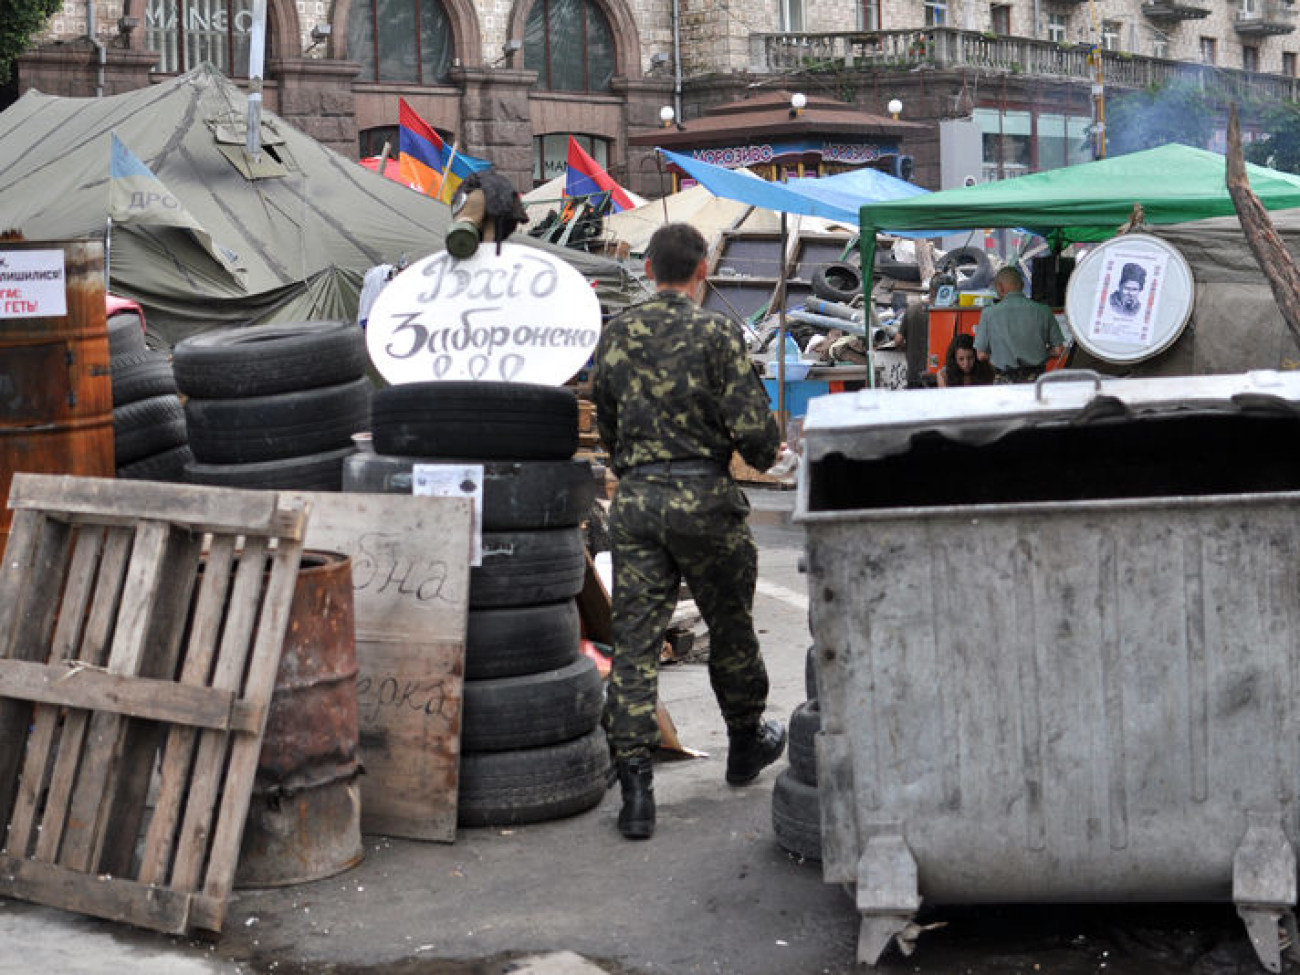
(427, 163)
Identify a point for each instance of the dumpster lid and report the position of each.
(875, 423)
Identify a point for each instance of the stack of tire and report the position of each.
(532, 748)
(149, 437)
(274, 406)
(796, 807)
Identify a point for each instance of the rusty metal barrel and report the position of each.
(56, 393)
(304, 819)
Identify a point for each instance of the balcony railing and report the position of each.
(1267, 17)
(1173, 10)
(948, 48)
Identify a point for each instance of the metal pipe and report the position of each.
(101, 55)
(256, 56)
(677, 62)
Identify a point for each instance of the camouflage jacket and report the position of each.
(672, 381)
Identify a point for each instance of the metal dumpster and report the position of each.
(1058, 641)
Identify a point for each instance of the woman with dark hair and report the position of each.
(963, 367)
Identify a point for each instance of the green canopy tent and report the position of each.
(1088, 202)
(304, 223)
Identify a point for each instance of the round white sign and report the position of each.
(524, 316)
(1130, 298)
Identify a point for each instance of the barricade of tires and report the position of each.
(796, 807)
(274, 406)
(531, 744)
(149, 436)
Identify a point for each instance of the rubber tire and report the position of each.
(261, 360)
(979, 277)
(810, 673)
(897, 270)
(125, 334)
(525, 567)
(837, 281)
(517, 494)
(532, 710)
(532, 785)
(147, 427)
(313, 472)
(295, 424)
(796, 816)
(483, 420)
(166, 466)
(514, 640)
(805, 722)
(141, 375)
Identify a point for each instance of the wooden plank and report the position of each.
(273, 622)
(178, 753)
(594, 608)
(94, 650)
(108, 897)
(92, 791)
(199, 508)
(410, 579)
(72, 613)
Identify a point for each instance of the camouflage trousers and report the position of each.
(664, 529)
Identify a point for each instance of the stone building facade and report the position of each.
(1017, 71)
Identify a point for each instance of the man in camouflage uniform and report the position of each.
(675, 394)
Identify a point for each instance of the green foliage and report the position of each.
(19, 20)
(1177, 112)
(1280, 148)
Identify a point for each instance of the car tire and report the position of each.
(524, 567)
(293, 424)
(796, 816)
(483, 420)
(313, 472)
(531, 785)
(261, 360)
(147, 427)
(805, 722)
(513, 640)
(969, 266)
(837, 281)
(517, 494)
(531, 710)
(141, 375)
(169, 465)
(125, 334)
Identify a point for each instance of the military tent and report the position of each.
(304, 223)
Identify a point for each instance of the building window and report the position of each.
(371, 141)
(1000, 19)
(570, 45)
(1159, 44)
(186, 33)
(1250, 59)
(1209, 50)
(1018, 142)
(792, 19)
(551, 154)
(400, 40)
(870, 14)
(1288, 63)
(1058, 26)
(936, 13)
(1110, 35)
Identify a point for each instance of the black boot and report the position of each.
(636, 820)
(753, 750)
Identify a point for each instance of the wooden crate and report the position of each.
(140, 632)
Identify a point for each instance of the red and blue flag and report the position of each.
(586, 178)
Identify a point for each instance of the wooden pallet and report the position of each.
(140, 633)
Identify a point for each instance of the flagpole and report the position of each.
(446, 171)
(108, 251)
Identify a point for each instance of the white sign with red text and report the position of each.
(33, 284)
(521, 316)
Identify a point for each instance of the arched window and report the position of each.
(186, 33)
(570, 45)
(400, 40)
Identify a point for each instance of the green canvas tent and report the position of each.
(305, 223)
(1088, 202)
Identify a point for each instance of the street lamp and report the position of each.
(895, 108)
(666, 116)
(797, 102)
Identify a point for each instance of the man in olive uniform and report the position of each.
(675, 394)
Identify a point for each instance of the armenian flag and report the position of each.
(586, 178)
(427, 163)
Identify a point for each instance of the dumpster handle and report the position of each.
(1065, 376)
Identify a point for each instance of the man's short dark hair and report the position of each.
(674, 252)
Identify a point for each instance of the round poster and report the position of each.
(522, 316)
(1130, 298)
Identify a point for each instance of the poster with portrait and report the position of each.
(1129, 288)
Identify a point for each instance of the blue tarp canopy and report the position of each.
(838, 197)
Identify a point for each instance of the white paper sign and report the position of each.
(32, 284)
(523, 316)
(1128, 293)
(454, 481)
